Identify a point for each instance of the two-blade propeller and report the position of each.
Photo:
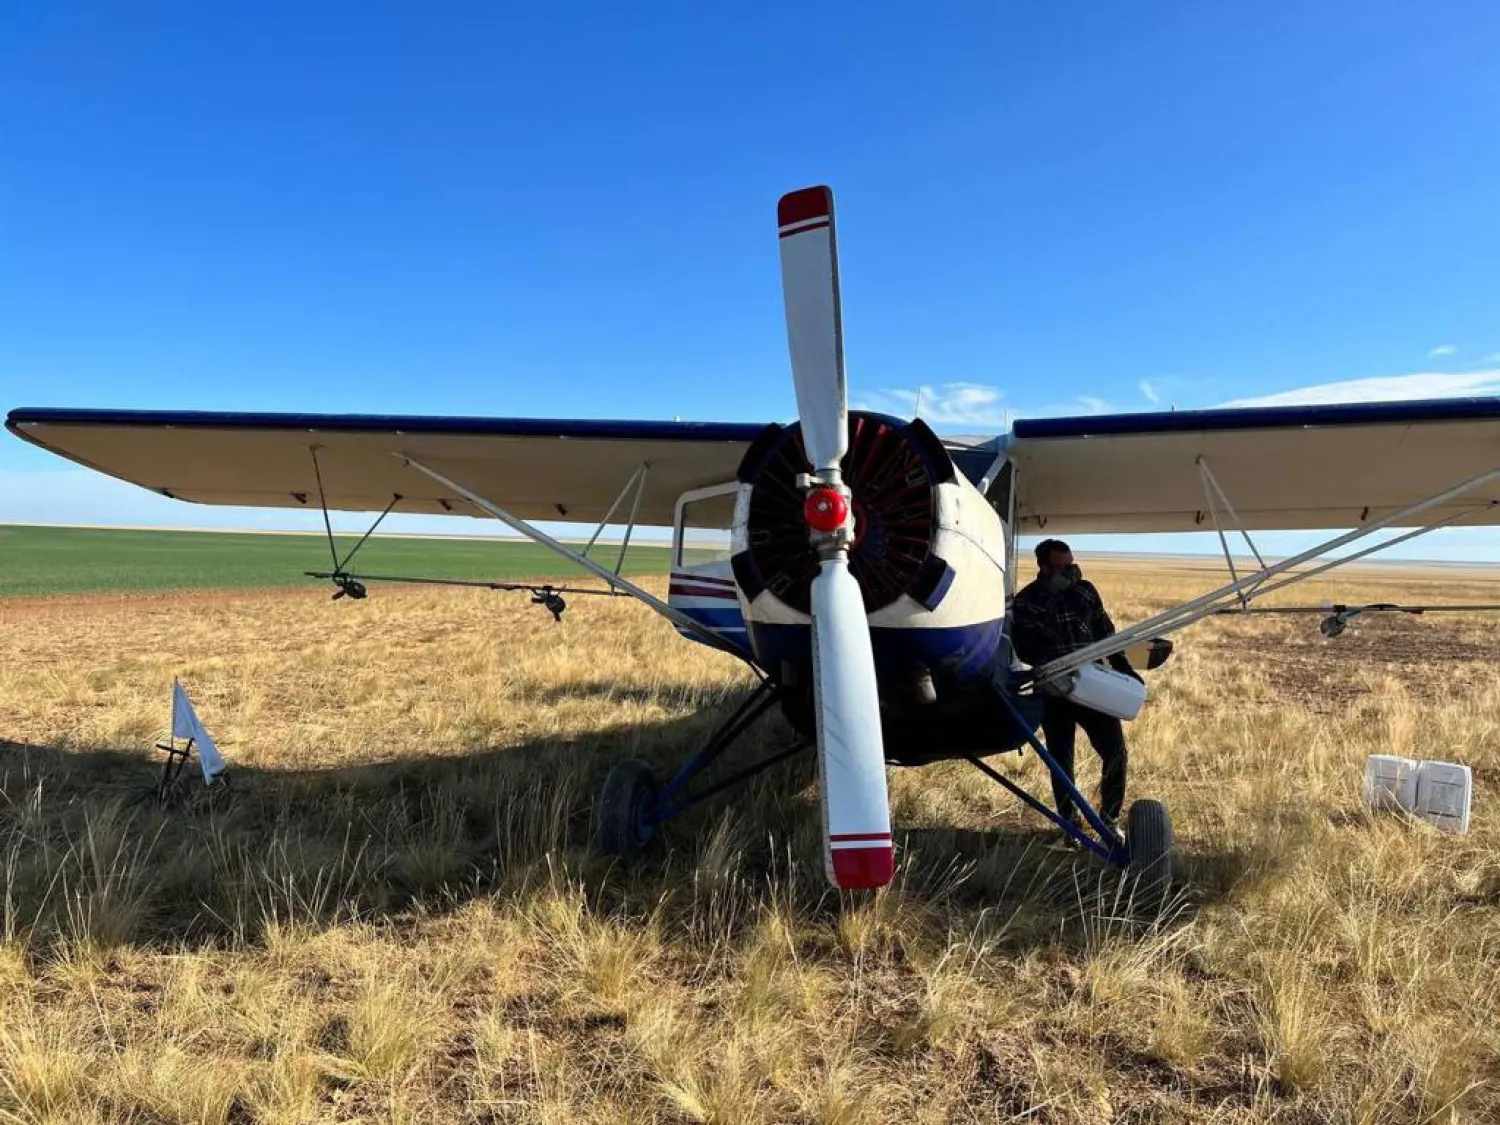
(851, 758)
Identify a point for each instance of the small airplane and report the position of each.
(871, 561)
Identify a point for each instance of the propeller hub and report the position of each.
(826, 510)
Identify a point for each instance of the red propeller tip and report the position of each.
(804, 205)
(825, 510)
(859, 869)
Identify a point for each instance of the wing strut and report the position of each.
(546, 595)
(1293, 579)
(616, 581)
(347, 583)
(637, 481)
(1185, 614)
(1210, 490)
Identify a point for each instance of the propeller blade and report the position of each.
(858, 852)
(810, 290)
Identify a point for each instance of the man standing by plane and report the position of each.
(1057, 614)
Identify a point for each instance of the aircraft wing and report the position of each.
(537, 469)
(1336, 466)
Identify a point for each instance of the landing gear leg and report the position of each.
(632, 806)
(1145, 853)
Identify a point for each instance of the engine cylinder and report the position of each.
(892, 470)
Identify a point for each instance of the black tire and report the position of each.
(1148, 832)
(620, 827)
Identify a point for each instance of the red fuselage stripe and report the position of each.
(850, 837)
(703, 580)
(702, 592)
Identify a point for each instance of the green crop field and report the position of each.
(57, 560)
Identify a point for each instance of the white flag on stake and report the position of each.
(186, 724)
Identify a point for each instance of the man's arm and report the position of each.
(1027, 631)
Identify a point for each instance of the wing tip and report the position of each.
(805, 205)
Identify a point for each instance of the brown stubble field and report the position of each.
(395, 916)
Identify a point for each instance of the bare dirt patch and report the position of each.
(1428, 656)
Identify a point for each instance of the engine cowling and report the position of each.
(927, 553)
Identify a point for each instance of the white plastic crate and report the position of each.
(1391, 782)
(1445, 793)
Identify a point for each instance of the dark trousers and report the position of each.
(1059, 723)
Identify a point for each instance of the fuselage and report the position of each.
(933, 551)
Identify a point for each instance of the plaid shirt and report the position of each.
(1045, 626)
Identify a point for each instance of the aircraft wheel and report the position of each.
(1148, 832)
(621, 828)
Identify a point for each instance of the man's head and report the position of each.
(1055, 565)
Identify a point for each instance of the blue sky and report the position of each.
(568, 210)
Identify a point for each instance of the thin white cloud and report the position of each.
(943, 404)
(1441, 350)
(1149, 391)
(1426, 384)
(1493, 357)
(1093, 405)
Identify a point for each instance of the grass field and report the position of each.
(395, 915)
(50, 560)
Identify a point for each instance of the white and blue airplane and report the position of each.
(871, 561)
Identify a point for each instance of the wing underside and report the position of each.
(1279, 468)
(537, 469)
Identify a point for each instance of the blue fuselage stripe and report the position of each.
(729, 618)
(959, 653)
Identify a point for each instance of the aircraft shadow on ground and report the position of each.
(87, 851)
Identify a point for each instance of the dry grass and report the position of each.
(396, 916)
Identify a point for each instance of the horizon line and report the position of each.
(636, 538)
